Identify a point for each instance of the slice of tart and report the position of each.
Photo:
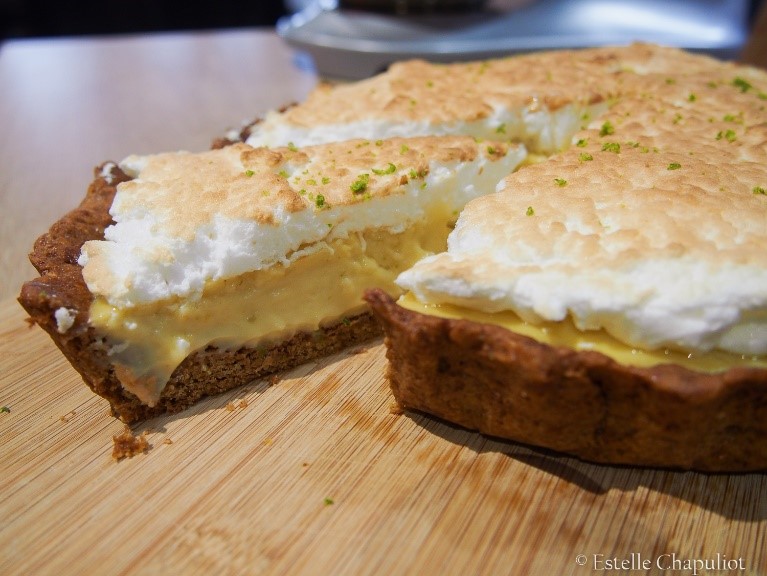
(610, 302)
(185, 274)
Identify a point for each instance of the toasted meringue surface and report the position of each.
(186, 219)
(650, 226)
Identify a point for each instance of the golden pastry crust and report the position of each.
(488, 379)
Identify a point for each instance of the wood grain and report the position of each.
(240, 485)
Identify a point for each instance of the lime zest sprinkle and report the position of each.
(728, 135)
(360, 183)
(742, 83)
(607, 129)
(390, 169)
(413, 174)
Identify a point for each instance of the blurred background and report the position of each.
(36, 18)
(356, 38)
(39, 18)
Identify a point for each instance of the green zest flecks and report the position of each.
(390, 169)
(360, 184)
(607, 129)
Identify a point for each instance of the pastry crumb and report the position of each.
(127, 444)
(395, 408)
(232, 406)
(68, 416)
(274, 379)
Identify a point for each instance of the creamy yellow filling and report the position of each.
(566, 334)
(149, 342)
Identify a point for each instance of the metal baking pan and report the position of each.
(352, 44)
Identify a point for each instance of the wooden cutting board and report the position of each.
(313, 474)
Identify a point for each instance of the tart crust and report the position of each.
(488, 379)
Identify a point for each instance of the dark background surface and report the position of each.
(50, 18)
(41, 18)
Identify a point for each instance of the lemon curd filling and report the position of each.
(566, 334)
(148, 342)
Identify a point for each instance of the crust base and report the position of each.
(488, 379)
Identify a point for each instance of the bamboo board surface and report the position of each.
(313, 474)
